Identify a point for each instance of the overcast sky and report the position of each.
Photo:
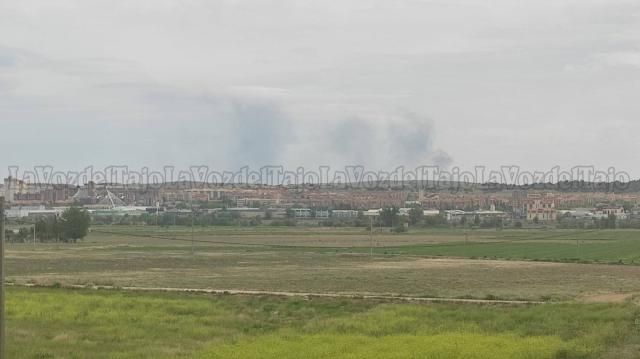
(381, 83)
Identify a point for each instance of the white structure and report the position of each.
(372, 212)
(344, 213)
(577, 213)
(322, 213)
(22, 212)
(301, 212)
(403, 211)
(605, 212)
(456, 215)
(431, 212)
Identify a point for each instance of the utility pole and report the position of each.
(2, 316)
(191, 200)
(371, 235)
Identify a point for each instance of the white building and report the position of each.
(605, 212)
(456, 215)
(22, 212)
(372, 212)
(431, 212)
(344, 213)
(301, 212)
(322, 213)
(27, 211)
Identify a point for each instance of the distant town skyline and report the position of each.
(299, 83)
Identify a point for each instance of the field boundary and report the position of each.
(289, 294)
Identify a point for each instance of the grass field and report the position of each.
(599, 246)
(60, 323)
(427, 264)
(590, 278)
(622, 247)
(585, 251)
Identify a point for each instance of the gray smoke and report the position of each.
(353, 140)
(224, 132)
(386, 143)
(260, 133)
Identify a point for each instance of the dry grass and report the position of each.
(131, 261)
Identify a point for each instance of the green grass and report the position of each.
(592, 246)
(52, 323)
(602, 251)
(58, 323)
(447, 345)
(602, 246)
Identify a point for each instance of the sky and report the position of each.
(229, 83)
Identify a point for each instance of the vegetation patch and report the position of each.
(60, 323)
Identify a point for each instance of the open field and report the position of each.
(60, 323)
(439, 263)
(593, 310)
(597, 246)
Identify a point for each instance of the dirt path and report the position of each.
(298, 294)
(607, 298)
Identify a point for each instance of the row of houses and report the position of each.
(342, 213)
(520, 205)
(596, 213)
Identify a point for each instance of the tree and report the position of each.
(432, 221)
(388, 216)
(48, 229)
(290, 213)
(75, 224)
(416, 215)
(24, 234)
(181, 205)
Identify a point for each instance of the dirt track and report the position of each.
(301, 294)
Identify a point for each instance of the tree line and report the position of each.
(72, 225)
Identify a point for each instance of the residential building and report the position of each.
(540, 207)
